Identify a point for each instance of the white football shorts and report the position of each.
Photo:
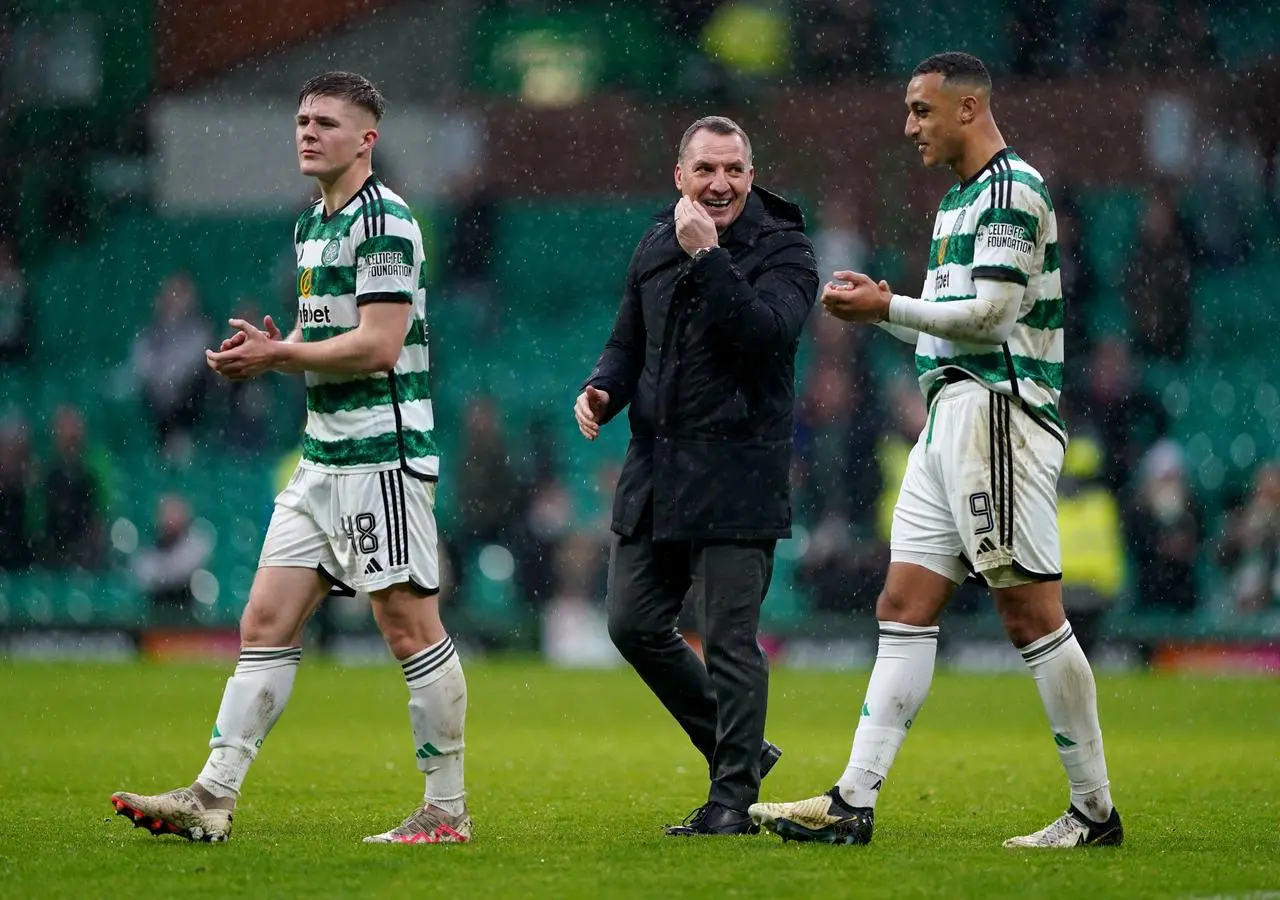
(364, 532)
(980, 492)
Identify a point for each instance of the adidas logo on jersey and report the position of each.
(372, 568)
(987, 546)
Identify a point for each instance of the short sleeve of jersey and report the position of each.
(385, 270)
(1004, 245)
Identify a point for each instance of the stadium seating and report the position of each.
(568, 260)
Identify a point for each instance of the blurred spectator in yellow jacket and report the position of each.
(1089, 527)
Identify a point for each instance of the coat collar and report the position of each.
(746, 228)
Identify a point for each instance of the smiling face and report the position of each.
(716, 171)
(332, 135)
(936, 115)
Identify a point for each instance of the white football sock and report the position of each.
(255, 695)
(1070, 698)
(899, 683)
(437, 714)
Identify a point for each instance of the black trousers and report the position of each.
(720, 705)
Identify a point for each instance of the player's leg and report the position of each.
(410, 623)
(281, 600)
(253, 699)
(1034, 620)
(907, 610)
(392, 549)
(285, 592)
(924, 570)
(1024, 572)
(926, 565)
(287, 587)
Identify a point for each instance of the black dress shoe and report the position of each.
(714, 818)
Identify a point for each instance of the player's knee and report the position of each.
(907, 608)
(1029, 611)
(406, 634)
(892, 605)
(262, 625)
(407, 619)
(1024, 627)
(403, 643)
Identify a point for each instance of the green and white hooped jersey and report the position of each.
(1000, 224)
(370, 251)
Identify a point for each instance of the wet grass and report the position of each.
(572, 775)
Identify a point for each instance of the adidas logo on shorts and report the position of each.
(372, 568)
(987, 546)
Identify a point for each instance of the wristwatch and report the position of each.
(701, 252)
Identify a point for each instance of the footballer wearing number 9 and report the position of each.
(979, 491)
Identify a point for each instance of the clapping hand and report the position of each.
(854, 297)
(247, 353)
(268, 325)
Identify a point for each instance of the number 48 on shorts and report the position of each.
(363, 530)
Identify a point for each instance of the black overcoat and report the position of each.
(704, 354)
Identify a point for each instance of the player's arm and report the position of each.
(386, 277)
(901, 332)
(985, 319)
(1004, 249)
(373, 346)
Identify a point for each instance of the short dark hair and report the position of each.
(716, 125)
(957, 66)
(348, 86)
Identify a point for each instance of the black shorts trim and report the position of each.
(413, 586)
(1038, 576)
(973, 577)
(340, 588)
(424, 591)
(976, 577)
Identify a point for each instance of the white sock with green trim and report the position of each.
(255, 696)
(437, 714)
(1070, 698)
(899, 683)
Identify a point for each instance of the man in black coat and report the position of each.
(703, 350)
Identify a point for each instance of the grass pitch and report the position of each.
(572, 774)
